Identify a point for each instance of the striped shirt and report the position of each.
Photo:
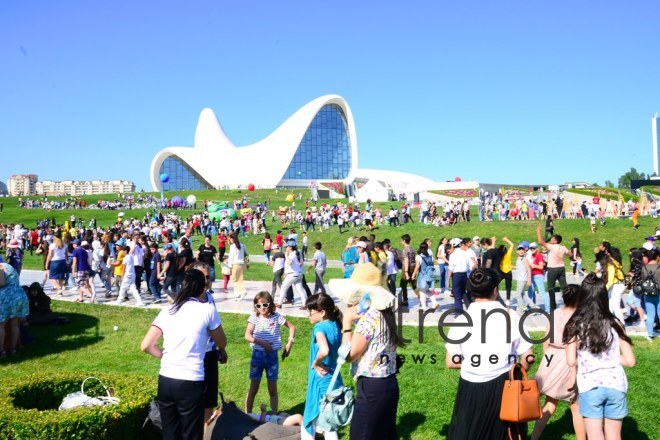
(267, 329)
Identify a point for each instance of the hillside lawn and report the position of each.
(427, 388)
(618, 231)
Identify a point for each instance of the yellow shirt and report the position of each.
(614, 274)
(119, 270)
(505, 263)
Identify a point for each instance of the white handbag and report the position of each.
(81, 399)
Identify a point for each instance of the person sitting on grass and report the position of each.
(282, 418)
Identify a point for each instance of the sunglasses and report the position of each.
(262, 306)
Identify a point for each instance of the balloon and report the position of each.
(164, 178)
(121, 214)
(251, 187)
(289, 198)
(457, 179)
(191, 199)
(177, 201)
(213, 207)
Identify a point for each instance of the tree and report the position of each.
(624, 181)
(609, 184)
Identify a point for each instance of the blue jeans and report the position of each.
(651, 309)
(459, 289)
(212, 273)
(443, 271)
(155, 287)
(539, 282)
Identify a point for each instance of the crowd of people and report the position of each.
(587, 341)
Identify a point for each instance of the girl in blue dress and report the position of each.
(326, 340)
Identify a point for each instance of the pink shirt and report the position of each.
(556, 254)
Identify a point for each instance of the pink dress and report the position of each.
(555, 379)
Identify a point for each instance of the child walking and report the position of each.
(523, 278)
(326, 340)
(263, 334)
(598, 348)
(554, 377)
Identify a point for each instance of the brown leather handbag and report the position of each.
(520, 397)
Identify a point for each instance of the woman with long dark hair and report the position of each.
(612, 272)
(325, 342)
(485, 359)
(237, 262)
(373, 345)
(598, 348)
(185, 327)
(651, 300)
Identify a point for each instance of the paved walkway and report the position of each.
(228, 303)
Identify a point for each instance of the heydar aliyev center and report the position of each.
(316, 144)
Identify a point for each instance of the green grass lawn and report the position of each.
(618, 231)
(428, 389)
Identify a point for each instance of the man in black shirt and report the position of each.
(207, 253)
(168, 271)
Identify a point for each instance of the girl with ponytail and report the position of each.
(326, 340)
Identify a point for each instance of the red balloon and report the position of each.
(251, 187)
(457, 179)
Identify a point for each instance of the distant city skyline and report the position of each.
(519, 92)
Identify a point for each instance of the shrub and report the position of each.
(28, 407)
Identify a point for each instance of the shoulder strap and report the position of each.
(343, 351)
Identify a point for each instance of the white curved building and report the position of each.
(316, 143)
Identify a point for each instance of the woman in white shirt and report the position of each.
(484, 358)
(185, 327)
(237, 257)
(293, 275)
(56, 264)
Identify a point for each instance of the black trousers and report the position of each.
(375, 409)
(404, 285)
(391, 283)
(508, 280)
(138, 277)
(555, 274)
(277, 281)
(181, 404)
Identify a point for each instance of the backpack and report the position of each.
(649, 285)
(428, 270)
(398, 258)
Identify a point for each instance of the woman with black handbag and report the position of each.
(185, 328)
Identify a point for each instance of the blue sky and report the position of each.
(516, 91)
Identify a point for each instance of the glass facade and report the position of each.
(325, 150)
(182, 176)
